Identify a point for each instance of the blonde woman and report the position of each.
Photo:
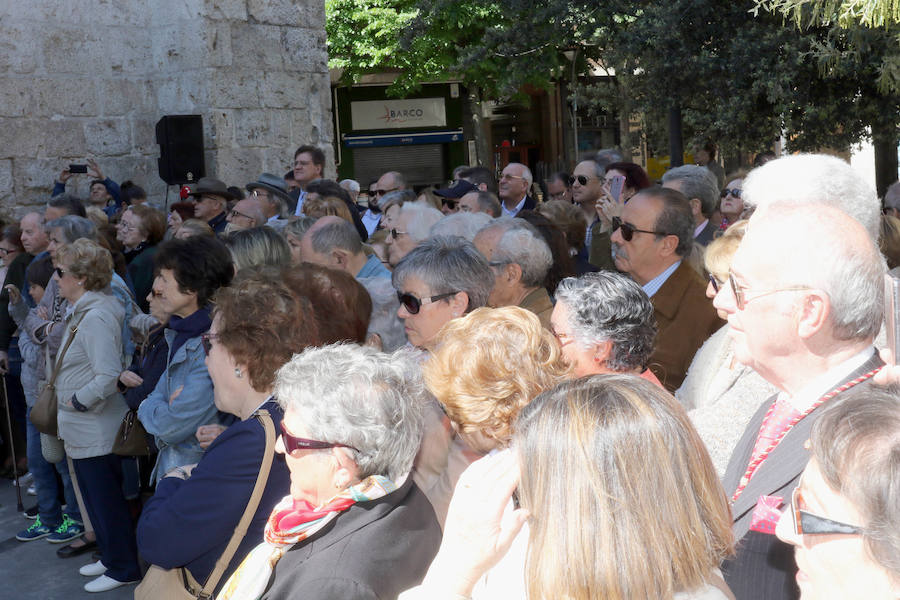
(621, 498)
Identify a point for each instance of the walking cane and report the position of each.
(12, 447)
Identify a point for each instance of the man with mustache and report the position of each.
(649, 243)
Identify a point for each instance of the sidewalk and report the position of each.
(31, 569)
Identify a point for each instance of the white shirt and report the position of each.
(700, 227)
(652, 286)
(825, 382)
(371, 220)
(515, 211)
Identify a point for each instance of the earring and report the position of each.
(80, 283)
(238, 374)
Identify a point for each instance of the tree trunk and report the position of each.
(884, 140)
(676, 143)
(625, 142)
(482, 149)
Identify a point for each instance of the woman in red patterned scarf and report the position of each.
(354, 525)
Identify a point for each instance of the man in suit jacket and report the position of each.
(806, 325)
(655, 235)
(702, 190)
(515, 181)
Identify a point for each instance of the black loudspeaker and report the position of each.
(180, 139)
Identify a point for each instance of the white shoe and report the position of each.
(93, 569)
(32, 491)
(104, 584)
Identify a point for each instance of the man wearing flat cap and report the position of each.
(272, 193)
(450, 196)
(211, 198)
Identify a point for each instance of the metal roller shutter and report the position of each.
(420, 164)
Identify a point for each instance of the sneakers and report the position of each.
(31, 513)
(92, 569)
(67, 531)
(104, 584)
(36, 531)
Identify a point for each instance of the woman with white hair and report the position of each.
(354, 525)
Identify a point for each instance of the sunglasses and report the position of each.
(383, 192)
(807, 523)
(206, 340)
(629, 230)
(449, 203)
(60, 271)
(734, 193)
(581, 179)
(292, 444)
(395, 234)
(413, 304)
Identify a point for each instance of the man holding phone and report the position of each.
(103, 189)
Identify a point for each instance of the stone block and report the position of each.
(305, 50)
(277, 159)
(67, 97)
(217, 39)
(274, 12)
(283, 89)
(252, 128)
(226, 9)
(238, 164)
(43, 138)
(256, 46)
(16, 97)
(123, 96)
(108, 136)
(143, 134)
(6, 176)
(280, 127)
(76, 50)
(184, 11)
(179, 46)
(39, 173)
(219, 131)
(19, 48)
(182, 94)
(232, 88)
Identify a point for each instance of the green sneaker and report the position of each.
(36, 531)
(67, 531)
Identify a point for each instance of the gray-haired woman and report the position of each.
(354, 525)
(439, 280)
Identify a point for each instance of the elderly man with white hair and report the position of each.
(463, 224)
(700, 187)
(515, 181)
(807, 325)
(410, 228)
(520, 259)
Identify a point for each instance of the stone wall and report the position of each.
(91, 79)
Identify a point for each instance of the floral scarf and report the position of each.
(291, 522)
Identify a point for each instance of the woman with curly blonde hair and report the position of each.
(484, 368)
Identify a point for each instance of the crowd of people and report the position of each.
(595, 386)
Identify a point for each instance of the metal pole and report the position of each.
(574, 109)
(12, 447)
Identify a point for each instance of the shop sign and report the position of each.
(398, 114)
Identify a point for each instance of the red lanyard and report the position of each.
(754, 464)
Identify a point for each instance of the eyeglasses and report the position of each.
(740, 296)
(292, 443)
(126, 226)
(629, 230)
(395, 234)
(504, 176)
(5, 251)
(60, 271)
(807, 523)
(383, 192)
(206, 340)
(449, 203)
(734, 193)
(258, 193)
(581, 179)
(561, 336)
(713, 281)
(413, 304)
(234, 213)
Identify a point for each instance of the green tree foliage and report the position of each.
(846, 13)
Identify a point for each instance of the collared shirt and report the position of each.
(300, 199)
(373, 268)
(814, 390)
(652, 286)
(700, 227)
(371, 220)
(589, 234)
(515, 211)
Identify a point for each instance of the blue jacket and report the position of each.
(188, 523)
(174, 420)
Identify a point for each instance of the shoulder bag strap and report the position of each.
(62, 352)
(241, 530)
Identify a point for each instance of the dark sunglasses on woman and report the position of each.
(413, 304)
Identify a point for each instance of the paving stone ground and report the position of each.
(31, 569)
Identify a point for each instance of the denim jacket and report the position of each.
(181, 402)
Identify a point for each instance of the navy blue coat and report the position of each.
(188, 523)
